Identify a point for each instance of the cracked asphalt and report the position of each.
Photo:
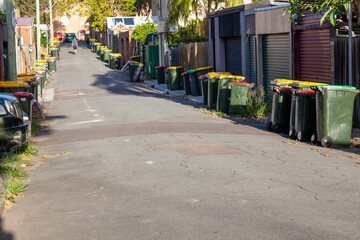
(124, 162)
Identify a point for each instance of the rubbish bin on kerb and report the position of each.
(334, 114)
(280, 112)
(160, 74)
(174, 74)
(204, 81)
(14, 86)
(224, 92)
(97, 47)
(299, 85)
(194, 83)
(106, 54)
(239, 96)
(212, 90)
(186, 82)
(25, 100)
(135, 58)
(202, 71)
(305, 114)
(51, 64)
(135, 71)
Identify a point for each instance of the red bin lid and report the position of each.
(160, 67)
(22, 94)
(241, 83)
(307, 92)
(284, 88)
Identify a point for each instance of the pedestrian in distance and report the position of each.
(75, 44)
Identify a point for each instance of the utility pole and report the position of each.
(38, 36)
(11, 24)
(51, 23)
(162, 29)
(350, 43)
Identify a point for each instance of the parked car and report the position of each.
(69, 37)
(15, 127)
(58, 36)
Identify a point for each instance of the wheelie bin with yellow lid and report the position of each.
(14, 86)
(281, 107)
(224, 92)
(174, 74)
(212, 90)
(334, 115)
(201, 71)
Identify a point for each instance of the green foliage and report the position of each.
(27, 149)
(2, 16)
(255, 105)
(141, 32)
(190, 33)
(43, 39)
(332, 7)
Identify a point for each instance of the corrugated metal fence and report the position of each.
(342, 69)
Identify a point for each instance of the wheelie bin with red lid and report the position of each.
(280, 112)
(239, 96)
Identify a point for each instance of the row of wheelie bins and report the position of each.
(105, 54)
(314, 112)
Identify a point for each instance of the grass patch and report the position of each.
(14, 189)
(256, 105)
(213, 113)
(27, 149)
(35, 126)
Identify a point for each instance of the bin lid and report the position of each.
(284, 88)
(203, 68)
(306, 92)
(177, 67)
(137, 64)
(185, 73)
(345, 87)
(26, 74)
(157, 67)
(192, 71)
(135, 56)
(22, 94)
(204, 76)
(286, 81)
(242, 83)
(13, 84)
(217, 74)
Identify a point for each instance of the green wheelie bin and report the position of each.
(194, 83)
(117, 61)
(186, 83)
(135, 71)
(14, 86)
(334, 115)
(299, 85)
(25, 100)
(280, 112)
(160, 74)
(204, 82)
(305, 114)
(174, 74)
(239, 96)
(97, 47)
(212, 90)
(51, 64)
(203, 71)
(106, 55)
(224, 92)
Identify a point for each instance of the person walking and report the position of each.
(75, 44)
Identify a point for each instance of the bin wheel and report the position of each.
(326, 142)
(301, 136)
(269, 126)
(292, 134)
(314, 139)
(277, 127)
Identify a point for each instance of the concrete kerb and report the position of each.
(178, 93)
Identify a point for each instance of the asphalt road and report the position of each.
(124, 162)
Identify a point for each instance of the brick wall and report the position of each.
(127, 45)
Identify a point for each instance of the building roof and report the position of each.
(226, 11)
(25, 21)
(130, 22)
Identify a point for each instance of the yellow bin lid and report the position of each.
(26, 74)
(13, 84)
(175, 67)
(203, 68)
(135, 56)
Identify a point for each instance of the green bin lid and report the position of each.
(338, 87)
(136, 64)
(192, 71)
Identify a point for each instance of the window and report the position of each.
(129, 21)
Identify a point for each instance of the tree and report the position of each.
(332, 8)
(141, 32)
